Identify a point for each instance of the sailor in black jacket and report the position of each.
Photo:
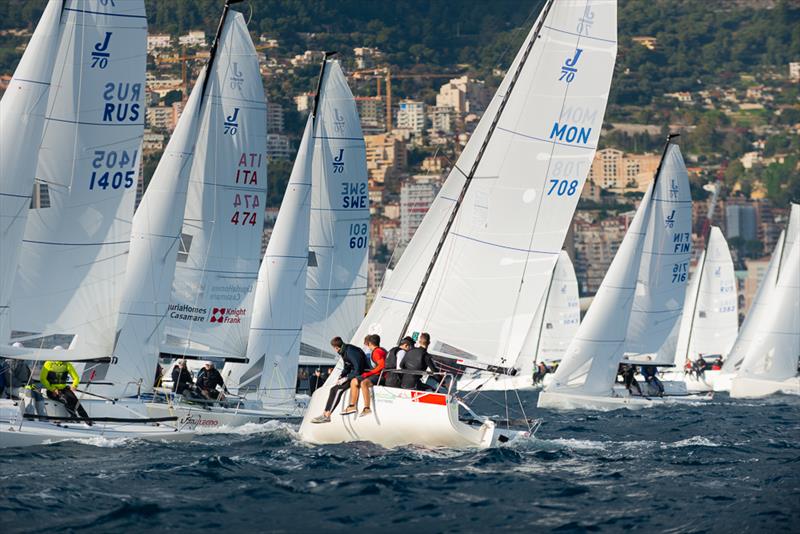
(355, 361)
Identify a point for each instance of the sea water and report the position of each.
(722, 466)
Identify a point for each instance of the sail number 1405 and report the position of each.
(103, 179)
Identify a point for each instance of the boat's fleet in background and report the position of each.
(183, 276)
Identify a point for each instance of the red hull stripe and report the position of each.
(429, 398)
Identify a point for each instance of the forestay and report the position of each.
(273, 346)
(773, 354)
(339, 233)
(664, 270)
(590, 363)
(496, 261)
(220, 246)
(550, 334)
(710, 319)
(76, 241)
(22, 112)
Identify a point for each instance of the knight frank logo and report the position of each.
(227, 315)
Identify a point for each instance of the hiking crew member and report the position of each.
(369, 378)
(207, 381)
(700, 367)
(650, 373)
(393, 360)
(354, 363)
(54, 377)
(541, 371)
(417, 359)
(629, 378)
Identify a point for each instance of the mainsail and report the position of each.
(220, 244)
(710, 318)
(22, 112)
(533, 148)
(273, 346)
(556, 321)
(774, 352)
(339, 232)
(76, 239)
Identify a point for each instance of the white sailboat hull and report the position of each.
(16, 432)
(619, 399)
(201, 418)
(403, 417)
(691, 383)
(754, 388)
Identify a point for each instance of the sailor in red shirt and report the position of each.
(368, 378)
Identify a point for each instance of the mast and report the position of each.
(215, 44)
(473, 169)
(319, 84)
(544, 311)
(694, 306)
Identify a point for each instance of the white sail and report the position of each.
(339, 234)
(773, 354)
(549, 336)
(155, 236)
(590, 363)
(759, 310)
(75, 245)
(496, 261)
(22, 112)
(711, 311)
(664, 270)
(220, 247)
(273, 347)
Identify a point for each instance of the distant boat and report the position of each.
(638, 302)
(771, 356)
(474, 273)
(554, 325)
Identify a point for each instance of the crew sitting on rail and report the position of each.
(650, 374)
(182, 380)
(207, 381)
(629, 378)
(717, 365)
(394, 359)
(700, 367)
(541, 371)
(54, 377)
(369, 378)
(418, 359)
(354, 363)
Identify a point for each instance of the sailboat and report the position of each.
(335, 298)
(477, 268)
(73, 253)
(638, 302)
(771, 357)
(710, 320)
(554, 325)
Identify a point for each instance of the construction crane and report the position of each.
(183, 58)
(385, 73)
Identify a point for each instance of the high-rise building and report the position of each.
(411, 116)
(372, 113)
(416, 197)
(275, 123)
(614, 169)
(386, 154)
(741, 221)
(278, 147)
(442, 119)
(464, 95)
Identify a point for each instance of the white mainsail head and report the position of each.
(495, 263)
(774, 352)
(220, 244)
(556, 322)
(273, 347)
(664, 270)
(74, 254)
(590, 363)
(22, 112)
(339, 234)
(710, 318)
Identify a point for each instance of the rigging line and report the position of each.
(544, 313)
(476, 162)
(694, 304)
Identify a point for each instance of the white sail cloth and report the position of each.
(590, 363)
(664, 270)
(773, 354)
(273, 346)
(496, 261)
(710, 318)
(22, 112)
(155, 236)
(339, 234)
(220, 247)
(551, 334)
(74, 253)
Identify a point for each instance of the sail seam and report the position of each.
(75, 10)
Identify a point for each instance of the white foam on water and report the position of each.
(104, 442)
(694, 441)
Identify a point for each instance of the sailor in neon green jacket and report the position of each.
(54, 375)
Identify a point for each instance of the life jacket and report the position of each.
(391, 358)
(58, 374)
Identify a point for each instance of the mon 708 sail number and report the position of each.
(108, 159)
